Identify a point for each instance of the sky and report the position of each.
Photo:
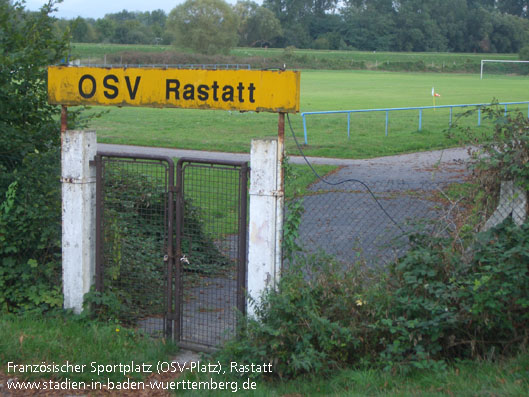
(70, 9)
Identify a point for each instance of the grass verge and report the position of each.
(60, 338)
(33, 339)
(465, 378)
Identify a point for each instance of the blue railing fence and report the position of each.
(419, 108)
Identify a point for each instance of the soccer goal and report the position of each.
(511, 70)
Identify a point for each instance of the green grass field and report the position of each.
(320, 91)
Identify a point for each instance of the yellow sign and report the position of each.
(257, 90)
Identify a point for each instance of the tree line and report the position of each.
(211, 26)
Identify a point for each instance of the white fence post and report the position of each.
(264, 260)
(78, 215)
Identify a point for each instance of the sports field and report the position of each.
(325, 90)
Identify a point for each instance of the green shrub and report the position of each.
(504, 155)
(445, 306)
(30, 233)
(523, 55)
(30, 209)
(434, 306)
(318, 319)
(422, 312)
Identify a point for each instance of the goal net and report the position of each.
(495, 66)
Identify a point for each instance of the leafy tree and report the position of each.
(297, 16)
(451, 18)
(417, 30)
(131, 32)
(368, 29)
(206, 26)
(519, 8)
(127, 27)
(30, 207)
(478, 30)
(390, 25)
(82, 31)
(509, 33)
(156, 21)
(105, 29)
(121, 16)
(257, 25)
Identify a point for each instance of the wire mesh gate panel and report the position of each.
(171, 258)
(134, 238)
(211, 244)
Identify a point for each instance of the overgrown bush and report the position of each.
(523, 55)
(506, 154)
(431, 308)
(30, 233)
(30, 207)
(292, 58)
(30, 272)
(318, 319)
(502, 155)
(442, 300)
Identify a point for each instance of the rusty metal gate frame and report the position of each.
(169, 223)
(172, 324)
(243, 170)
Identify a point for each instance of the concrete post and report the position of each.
(513, 202)
(266, 200)
(78, 216)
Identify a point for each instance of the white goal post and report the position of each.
(498, 61)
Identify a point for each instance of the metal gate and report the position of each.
(171, 257)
